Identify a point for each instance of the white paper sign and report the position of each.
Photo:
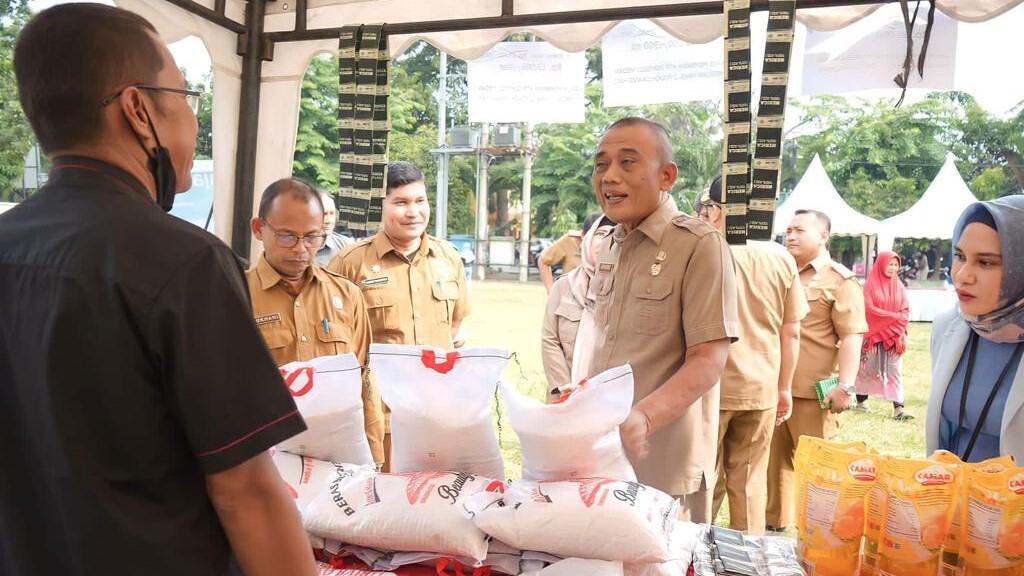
(527, 82)
(643, 64)
(868, 54)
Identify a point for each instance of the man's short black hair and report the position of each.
(295, 187)
(403, 173)
(70, 57)
(821, 216)
(659, 132)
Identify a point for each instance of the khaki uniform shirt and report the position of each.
(769, 294)
(558, 335)
(837, 310)
(409, 301)
(294, 329)
(653, 311)
(566, 250)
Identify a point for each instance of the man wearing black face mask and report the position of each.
(137, 400)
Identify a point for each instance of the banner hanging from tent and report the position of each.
(643, 64)
(527, 82)
(868, 53)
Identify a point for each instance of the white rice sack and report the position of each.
(578, 566)
(578, 437)
(329, 394)
(441, 407)
(593, 518)
(304, 477)
(421, 512)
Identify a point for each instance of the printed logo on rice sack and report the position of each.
(594, 491)
(934, 476)
(452, 491)
(299, 382)
(497, 487)
(420, 485)
(863, 470)
(307, 470)
(339, 499)
(1016, 484)
(536, 495)
(629, 495)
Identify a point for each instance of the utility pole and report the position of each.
(441, 204)
(524, 233)
(482, 243)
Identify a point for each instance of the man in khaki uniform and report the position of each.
(565, 250)
(665, 293)
(302, 310)
(413, 284)
(830, 342)
(755, 387)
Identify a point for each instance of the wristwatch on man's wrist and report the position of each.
(851, 391)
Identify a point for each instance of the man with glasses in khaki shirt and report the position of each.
(830, 343)
(755, 389)
(302, 310)
(665, 293)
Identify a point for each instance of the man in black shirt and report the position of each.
(137, 400)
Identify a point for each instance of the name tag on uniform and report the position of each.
(605, 267)
(268, 318)
(374, 282)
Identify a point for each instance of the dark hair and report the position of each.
(664, 142)
(402, 173)
(821, 216)
(295, 187)
(70, 57)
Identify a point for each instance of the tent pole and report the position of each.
(550, 18)
(251, 50)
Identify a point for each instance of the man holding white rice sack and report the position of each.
(665, 292)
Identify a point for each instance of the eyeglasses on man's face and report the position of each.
(289, 240)
(192, 97)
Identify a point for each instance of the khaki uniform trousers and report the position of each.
(808, 419)
(744, 441)
(696, 507)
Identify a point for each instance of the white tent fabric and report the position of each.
(282, 78)
(815, 191)
(935, 214)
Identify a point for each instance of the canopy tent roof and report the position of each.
(815, 191)
(260, 51)
(935, 214)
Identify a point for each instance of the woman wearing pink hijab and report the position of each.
(888, 313)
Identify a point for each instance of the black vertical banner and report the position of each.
(771, 111)
(351, 212)
(736, 145)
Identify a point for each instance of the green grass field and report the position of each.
(509, 315)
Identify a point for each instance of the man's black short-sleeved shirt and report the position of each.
(130, 368)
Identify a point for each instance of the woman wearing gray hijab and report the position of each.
(976, 409)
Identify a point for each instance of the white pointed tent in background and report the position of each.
(935, 214)
(815, 191)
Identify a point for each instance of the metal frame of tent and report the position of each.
(256, 46)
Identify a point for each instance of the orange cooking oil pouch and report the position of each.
(874, 514)
(920, 497)
(832, 483)
(992, 523)
(950, 563)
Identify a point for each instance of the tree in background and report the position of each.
(15, 133)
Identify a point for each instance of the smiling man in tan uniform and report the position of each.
(665, 293)
(755, 389)
(302, 310)
(830, 343)
(413, 284)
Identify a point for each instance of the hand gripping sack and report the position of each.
(441, 407)
(329, 394)
(422, 512)
(579, 436)
(593, 518)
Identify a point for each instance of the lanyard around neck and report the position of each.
(983, 417)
